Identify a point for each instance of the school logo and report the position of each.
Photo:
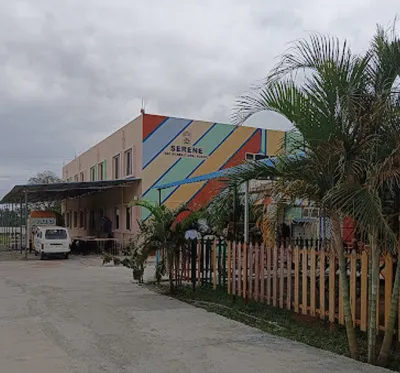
(186, 150)
(187, 138)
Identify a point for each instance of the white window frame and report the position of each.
(90, 171)
(100, 167)
(119, 166)
(126, 174)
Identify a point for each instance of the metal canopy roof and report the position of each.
(213, 175)
(61, 191)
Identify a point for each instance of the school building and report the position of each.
(152, 150)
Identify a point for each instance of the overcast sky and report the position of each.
(73, 71)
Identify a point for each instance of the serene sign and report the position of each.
(186, 150)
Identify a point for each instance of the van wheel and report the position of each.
(42, 255)
(66, 255)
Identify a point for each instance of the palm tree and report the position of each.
(345, 108)
(321, 108)
(379, 175)
(165, 232)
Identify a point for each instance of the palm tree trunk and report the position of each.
(391, 321)
(171, 274)
(338, 240)
(373, 299)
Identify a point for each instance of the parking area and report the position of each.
(74, 315)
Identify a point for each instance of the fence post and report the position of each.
(289, 277)
(239, 256)
(364, 291)
(353, 285)
(245, 272)
(257, 272)
(199, 251)
(275, 279)
(322, 285)
(193, 264)
(313, 289)
(332, 299)
(296, 278)
(223, 263)
(215, 264)
(250, 270)
(207, 268)
(281, 276)
(269, 273)
(229, 267)
(234, 266)
(304, 269)
(262, 248)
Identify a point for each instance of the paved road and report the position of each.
(76, 316)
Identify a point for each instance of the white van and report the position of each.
(51, 240)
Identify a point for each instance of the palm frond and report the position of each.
(361, 203)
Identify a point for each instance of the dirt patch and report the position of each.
(7, 254)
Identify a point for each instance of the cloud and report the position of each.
(73, 71)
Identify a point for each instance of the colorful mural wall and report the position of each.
(177, 148)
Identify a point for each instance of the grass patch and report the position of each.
(306, 329)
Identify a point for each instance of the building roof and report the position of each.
(220, 174)
(223, 174)
(61, 191)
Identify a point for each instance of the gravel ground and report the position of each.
(73, 315)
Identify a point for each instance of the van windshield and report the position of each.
(56, 234)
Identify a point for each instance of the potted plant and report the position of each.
(134, 259)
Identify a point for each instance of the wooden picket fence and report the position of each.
(307, 281)
(297, 278)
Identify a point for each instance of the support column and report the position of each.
(20, 225)
(1, 225)
(159, 203)
(122, 220)
(12, 225)
(26, 225)
(159, 197)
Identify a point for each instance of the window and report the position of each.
(81, 219)
(82, 176)
(92, 224)
(76, 177)
(116, 218)
(67, 219)
(116, 167)
(128, 218)
(56, 234)
(93, 173)
(75, 219)
(101, 171)
(255, 157)
(128, 162)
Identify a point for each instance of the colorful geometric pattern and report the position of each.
(177, 148)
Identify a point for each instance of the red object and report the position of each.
(348, 230)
